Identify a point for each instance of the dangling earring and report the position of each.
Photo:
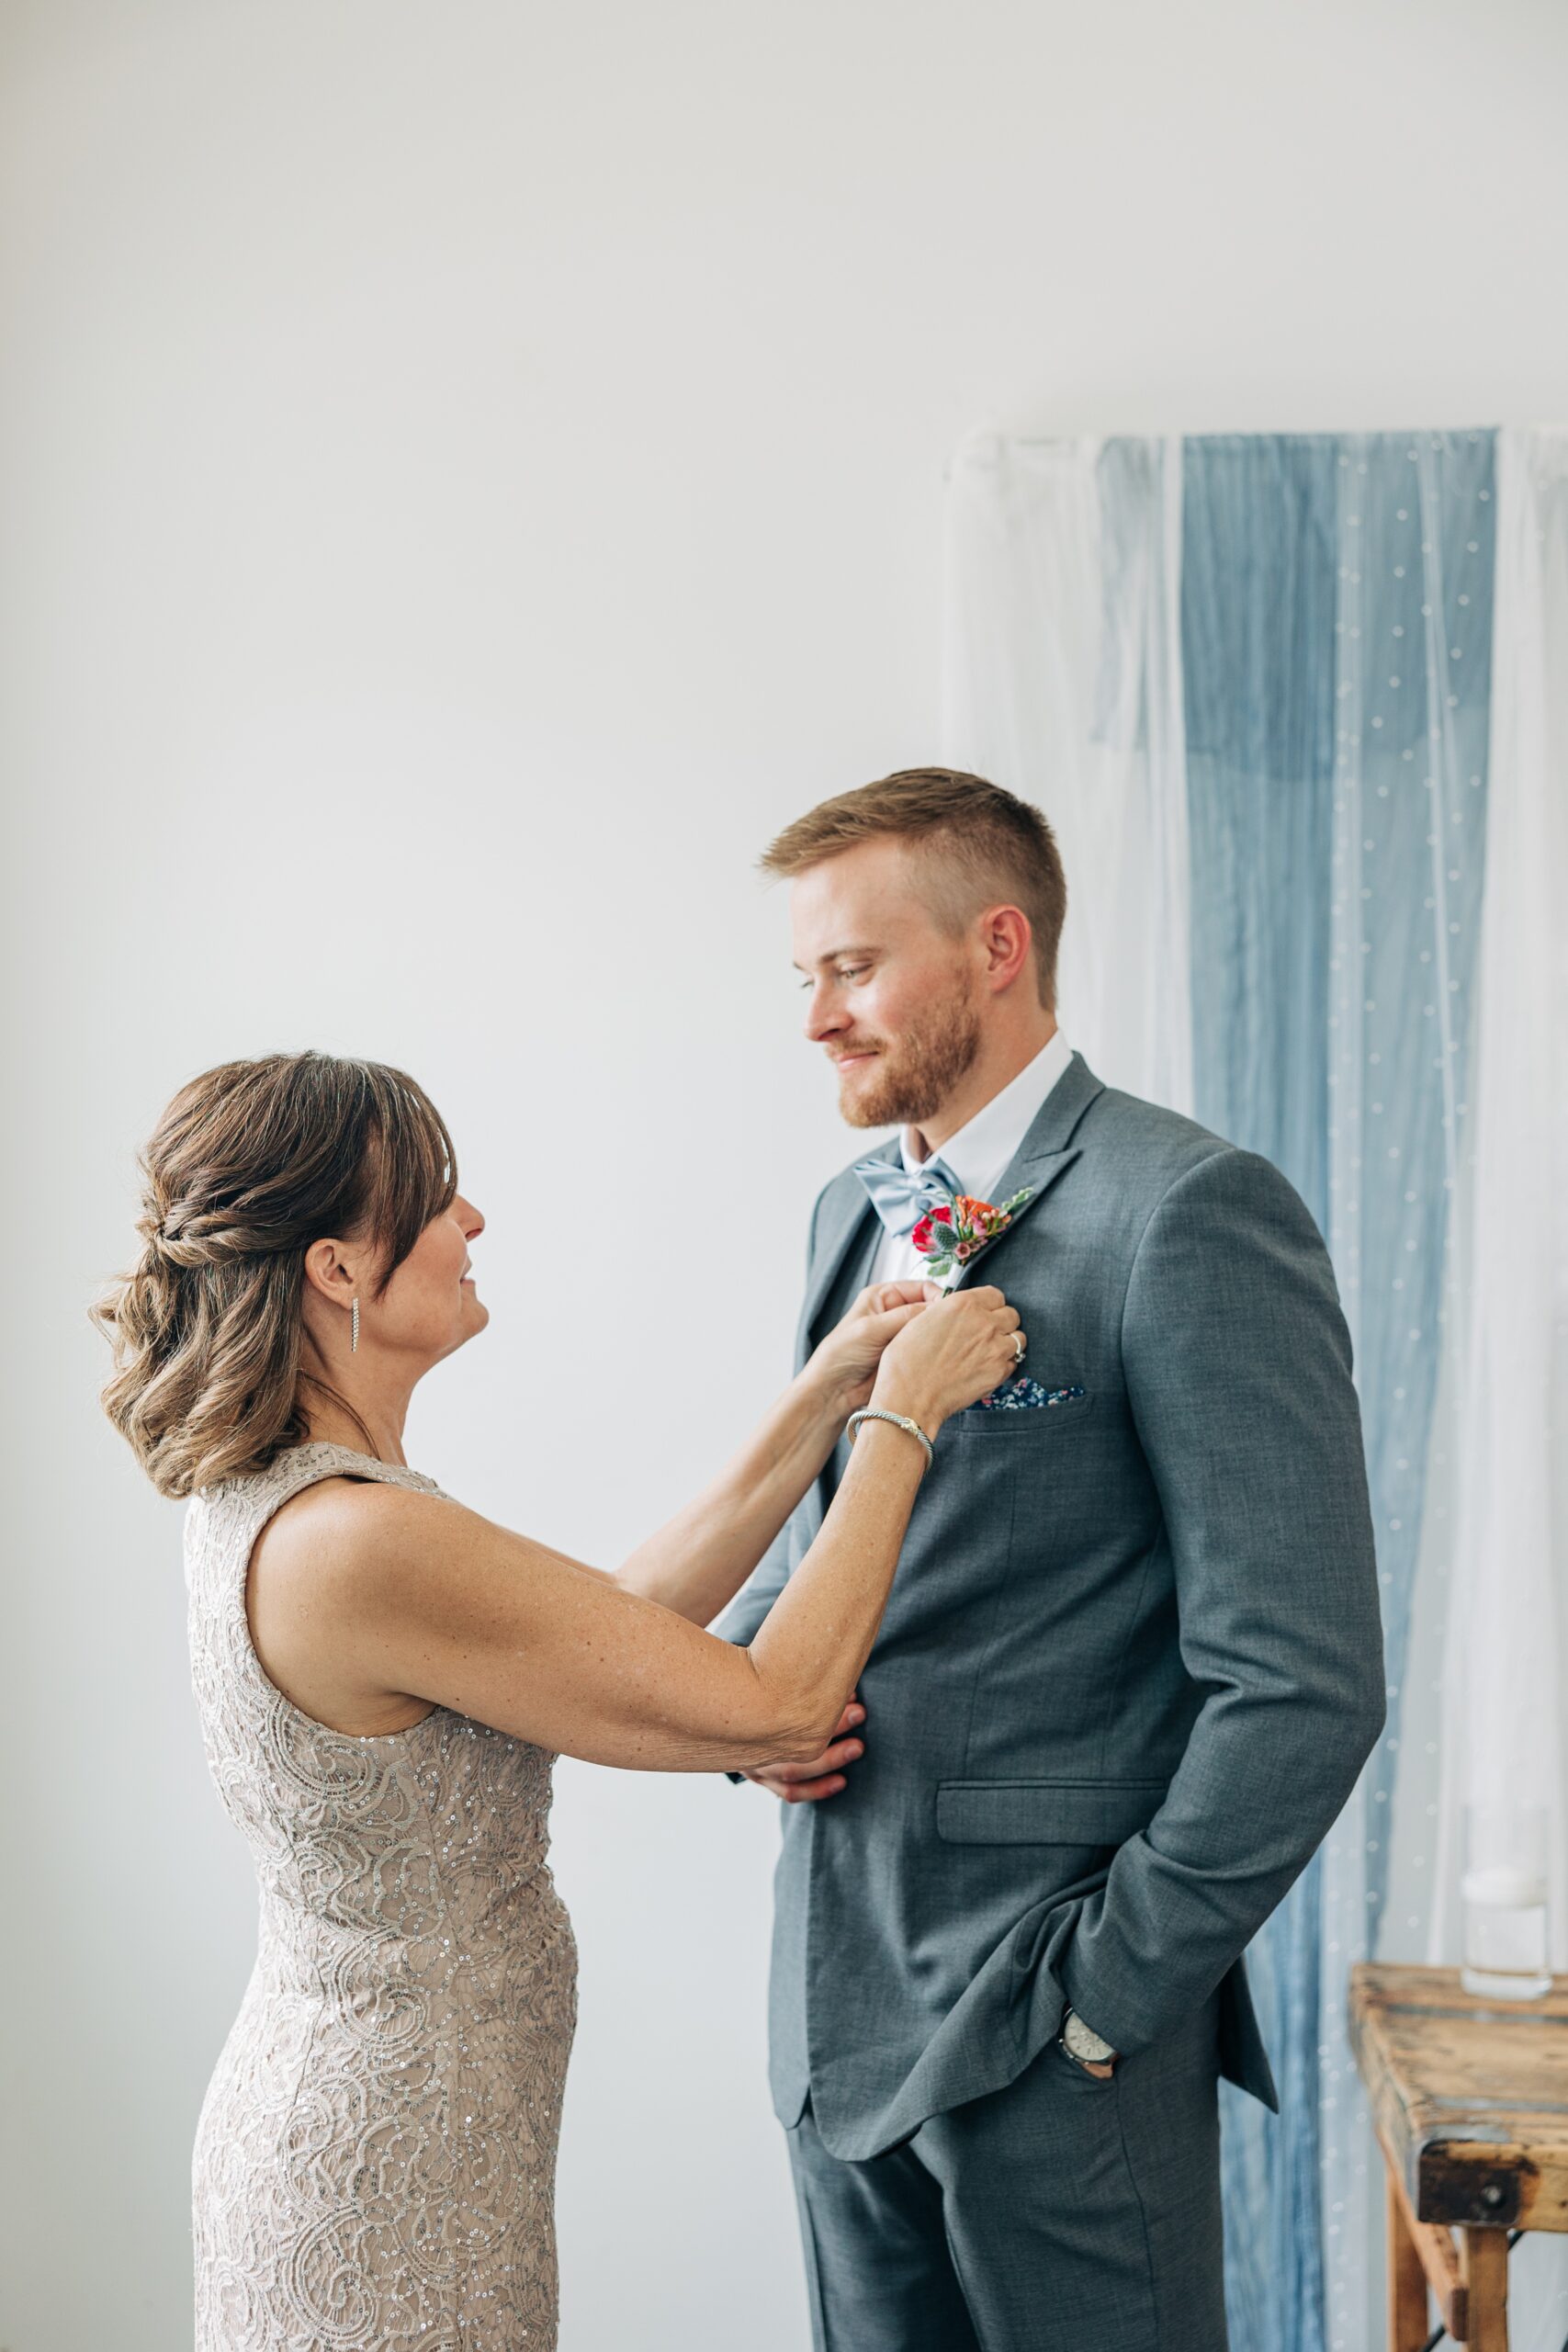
(354, 1330)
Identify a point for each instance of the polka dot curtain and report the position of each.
(1250, 679)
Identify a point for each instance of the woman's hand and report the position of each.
(698, 1560)
(949, 1356)
(824, 1775)
(847, 1361)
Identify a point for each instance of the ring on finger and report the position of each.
(1019, 1344)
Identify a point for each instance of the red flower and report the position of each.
(951, 1235)
(921, 1237)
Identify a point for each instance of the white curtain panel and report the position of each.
(1508, 1649)
(1507, 1666)
(1062, 681)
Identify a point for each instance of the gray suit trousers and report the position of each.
(1062, 2214)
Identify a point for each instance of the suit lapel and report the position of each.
(1040, 1174)
(842, 1220)
(843, 1224)
(1045, 1153)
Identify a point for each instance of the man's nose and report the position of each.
(824, 1017)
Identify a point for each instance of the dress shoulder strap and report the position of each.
(224, 1520)
(305, 1466)
(221, 1527)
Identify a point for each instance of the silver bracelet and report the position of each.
(899, 1421)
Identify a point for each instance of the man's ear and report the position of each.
(1007, 941)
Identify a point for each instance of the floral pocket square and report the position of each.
(1025, 1395)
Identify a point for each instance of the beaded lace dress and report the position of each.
(375, 2163)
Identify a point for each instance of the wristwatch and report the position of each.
(1086, 2048)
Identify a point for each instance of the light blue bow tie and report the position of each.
(901, 1196)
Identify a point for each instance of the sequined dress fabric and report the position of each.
(374, 2162)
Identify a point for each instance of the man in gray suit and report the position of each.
(1131, 1666)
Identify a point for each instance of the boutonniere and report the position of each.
(949, 1235)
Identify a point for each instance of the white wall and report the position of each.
(468, 473)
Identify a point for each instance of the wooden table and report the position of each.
(1470, 2100)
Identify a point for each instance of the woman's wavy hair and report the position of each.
(250, 1164)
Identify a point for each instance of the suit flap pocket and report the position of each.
(1045, 1813)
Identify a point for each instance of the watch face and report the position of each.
(1084, 2043)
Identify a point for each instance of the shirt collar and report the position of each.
(980, 1150)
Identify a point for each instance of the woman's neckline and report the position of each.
(335, 1445)
(330, 1445)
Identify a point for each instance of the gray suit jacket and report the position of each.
(1131, 1663)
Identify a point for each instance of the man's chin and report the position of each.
(858, 1104)
(874, 1104)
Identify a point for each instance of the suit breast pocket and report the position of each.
(1025, 1407)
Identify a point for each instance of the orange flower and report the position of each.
(972, 1211)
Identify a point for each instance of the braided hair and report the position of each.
(249, 1165)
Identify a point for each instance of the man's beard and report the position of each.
(915, 1076)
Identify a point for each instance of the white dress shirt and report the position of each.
(980, 1152)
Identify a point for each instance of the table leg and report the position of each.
(1485, 2255)
(1407, 2328)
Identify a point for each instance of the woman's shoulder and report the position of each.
(322, 1576)
(344, 1515)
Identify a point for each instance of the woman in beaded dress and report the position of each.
(384, 1678)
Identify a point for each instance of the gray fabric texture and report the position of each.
(1058, 2214)
(1131, 1662)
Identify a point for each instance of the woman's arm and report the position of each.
(698, 1562)
(513, 1635)
(436, 1603)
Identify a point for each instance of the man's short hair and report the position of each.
(980, 846)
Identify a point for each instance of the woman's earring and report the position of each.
(354, 1330)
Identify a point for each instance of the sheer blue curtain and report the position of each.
(1258, 600)
(1412, 696)
(1335, 612)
